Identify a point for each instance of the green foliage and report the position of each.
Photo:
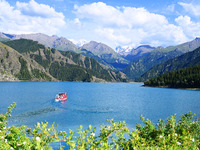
(40, 60)
(183, 78)
(91, 55)
(23, 137)
(24, 45)
(7, 55)
(69, 72)
(60, 67)
(47, 54)
(91, 67)
(24, 73)
(75, 57)
(2, 60)
(181, 134)
(40, 75)
(53, 50)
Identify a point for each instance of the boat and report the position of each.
(61, 96)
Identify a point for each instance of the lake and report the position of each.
(93, 103)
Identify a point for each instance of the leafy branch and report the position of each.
(169, 134)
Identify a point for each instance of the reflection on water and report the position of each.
(91, 110)
(36, 112)
(53, 106)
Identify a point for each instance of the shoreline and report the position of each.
(193, 89)
(65, 81)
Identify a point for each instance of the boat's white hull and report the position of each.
(57, 100)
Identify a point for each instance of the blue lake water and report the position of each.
(93, 103)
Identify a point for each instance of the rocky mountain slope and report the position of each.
(59, 43)
(139, 52)
(14, 66)
(65, 66)
(106, 53)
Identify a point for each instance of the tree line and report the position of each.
(183, 78)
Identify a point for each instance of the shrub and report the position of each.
(181, 134)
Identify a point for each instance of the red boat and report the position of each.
(61, 97)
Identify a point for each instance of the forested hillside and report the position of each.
(14, 66)
(183, 78)
(140, 66)
(189, 59)
(147, 62)
(65, 66)
(99, 51)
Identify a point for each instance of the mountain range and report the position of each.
(99, 51)
(28, 60)
(186, 60)
(135, 63)
(159, 55)
(139, 52)
(106, 53)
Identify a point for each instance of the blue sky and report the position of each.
(113, 22)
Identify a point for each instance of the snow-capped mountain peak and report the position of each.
(79, 43)
(124, 50)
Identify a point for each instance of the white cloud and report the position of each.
(120, 17)
(193, 9)
(38, 10)
(183, 20)
(109, 32)
(113, 26)
(129, 25)
(190, 28)
(29, 17)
